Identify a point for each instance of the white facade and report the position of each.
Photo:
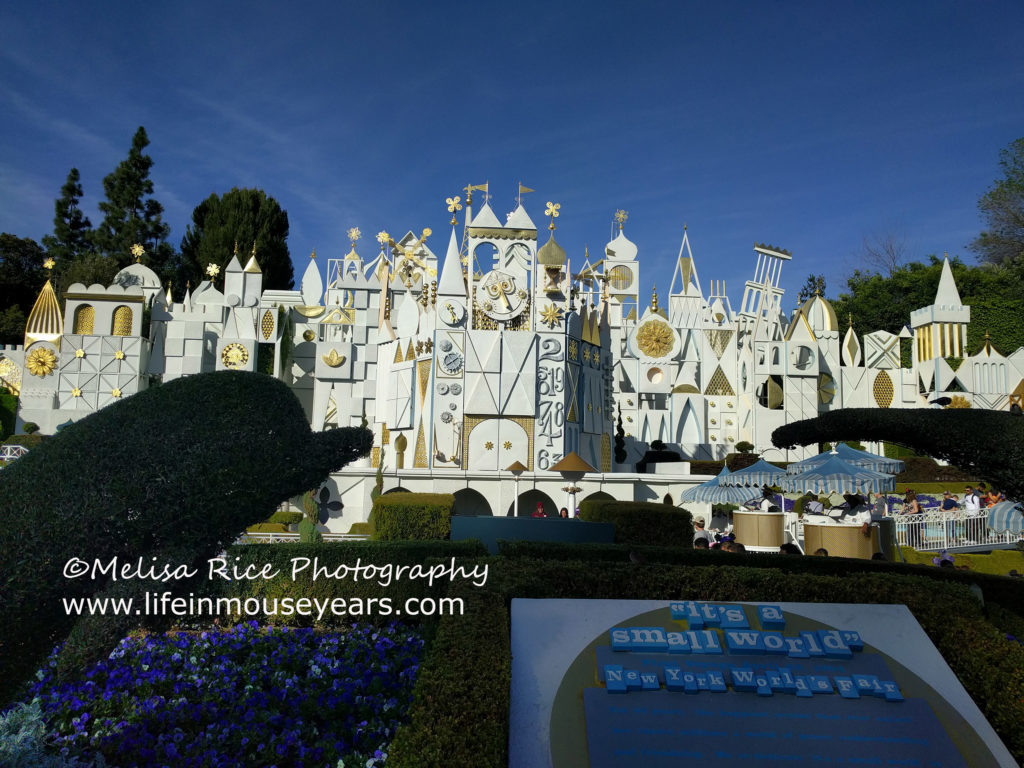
(499, 353)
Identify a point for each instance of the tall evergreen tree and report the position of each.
(71, 240)
(21, 277)
(245, 217)
(1002, 207)
(131, 216)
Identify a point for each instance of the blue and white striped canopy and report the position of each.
(761, 473)
(713, 492)
(837, 476)
(850, 455)
(1005, 516)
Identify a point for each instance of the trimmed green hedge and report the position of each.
(412, 516)
(285, 517)
(174, 473)
(267, 528)
(365, 529)
(460, 709)
(8, 412)
(638, 522)
(331, 558)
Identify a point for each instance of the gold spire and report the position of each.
(654, 298)
(45, 322)
(236, 248)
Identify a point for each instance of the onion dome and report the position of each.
(551, 254)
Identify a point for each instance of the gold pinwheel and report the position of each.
(383, 238)
(454, 206)
(49, 264)
(212, 270)
(137, 251)
(621, 216)
(353, 235)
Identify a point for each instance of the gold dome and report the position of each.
(551, 254)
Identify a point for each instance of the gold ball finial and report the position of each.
(313, 254)
(654, 298)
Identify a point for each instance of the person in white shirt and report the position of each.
(700, 533)
(972, 504)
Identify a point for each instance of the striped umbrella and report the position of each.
(1005, 516)
(850, 455)
(837, 476)
(761, 473)
(714, 492)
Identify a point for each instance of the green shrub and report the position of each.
(638, 522)
(308, 532)
(8, 412)
(364, 529)
(29, 427)
(23, 741)
(744, 446)
(29, 441)
(105, 488)
(267, 528)
(285, 517)
(410, 516)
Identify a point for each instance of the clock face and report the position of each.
(500, 296)
(452, 311)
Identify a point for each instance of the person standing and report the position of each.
(700, 533)
(972, 502)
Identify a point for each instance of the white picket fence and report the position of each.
(263, 537)
(938, 530)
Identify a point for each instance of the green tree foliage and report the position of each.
(1002, 208)
(21, 277)
(245, 217)
(884, 303)
(131, 215)
(174, 473)
(814, 285)
(72, 230)
(986, 444)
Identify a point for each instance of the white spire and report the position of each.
(452, 282)
(947, 294)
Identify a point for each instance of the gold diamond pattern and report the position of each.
(883, 390)
(420, 458)
(719, 384)
(85, 317)
(719, 340)
(267, 324)
(122, 322)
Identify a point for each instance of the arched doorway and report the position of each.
(471, 502)
(528, 503)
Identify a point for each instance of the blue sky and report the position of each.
(804, 125)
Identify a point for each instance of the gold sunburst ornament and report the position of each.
(49, 264)
(655, 338)
(212, 270)
(41, 362)
(137, 252)
(552, 212)
(551, 315)
(353, 235)
(234, 356)
(620, 217)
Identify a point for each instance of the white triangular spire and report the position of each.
(947, 294)
(519, 219)
(312, 285)
(452, 282)
(486, 218)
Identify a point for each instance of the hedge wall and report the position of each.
(638, 522)
(173, 473)
(411, 516)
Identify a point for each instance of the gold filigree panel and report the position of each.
(85, 318)
(719, 384)
(606, 453)
(420, 458)
(719, 340)
(423, 372)
(122, 322)
(883, 390)
(10, 376)
(267, 325)
(620, 278)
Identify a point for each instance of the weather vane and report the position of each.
(552, 211)
(621, 216)
(454, 206)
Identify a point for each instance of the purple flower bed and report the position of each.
(247, 696)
